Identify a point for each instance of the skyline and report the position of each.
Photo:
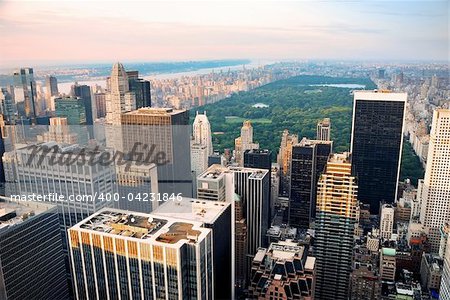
(68, 32)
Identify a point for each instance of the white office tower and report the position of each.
(387, 221)
(216, 184)
(149, 256)
(202, 132)
(62, 174)
(201, 144)
(199, 158)
(119, 100)
(244, 142)
(435, 210)
(217, 217)
(444, 292)
(253, 186)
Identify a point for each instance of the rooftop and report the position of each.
(380, 95)
(340, 158)
(154, 111)
(255, 173)
(305, 142)
(148, 227)
(389, 251)
(214, 172)
(192, 209)
(286, 250)
(14, 212)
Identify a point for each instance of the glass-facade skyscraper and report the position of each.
(31, 252)
(376, 146)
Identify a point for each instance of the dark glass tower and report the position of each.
(309, 159)
(377, 145)
(259, 159)
(84, 92)
(141, 89)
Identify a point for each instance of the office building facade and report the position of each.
(164, 134)
(435, 211)
(337, 214)
(376, 145)
(140, 88)
(324, 130)
(120, 254)
(308, 161)
(31, 253)
(25, 92)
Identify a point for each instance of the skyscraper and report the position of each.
(253, 186)
(25, 92)
(84, 92)
(74, 110)
(119, 98)
(217, 217)
(7, 106)
(164, 134)
(120, 254)
(337, 214)
(387, 221)
(201, 143)
(51, 87)
(136, 183)
(31, 253)
(284, 159)
(141, 88)
(244, 142)
(308, 161)
(199, 158)
(376, 146)
(435, 210)
(201, 131)
(216, 184)
(100, 104)
(63, 170)
(258, 158)
(324, 130)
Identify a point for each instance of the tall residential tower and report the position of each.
(337, 215)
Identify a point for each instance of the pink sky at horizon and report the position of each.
(74, 31)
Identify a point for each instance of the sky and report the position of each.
(42, 32)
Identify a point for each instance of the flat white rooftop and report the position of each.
(381, 95)
(148, 228)
(192, 209)
(15, 212)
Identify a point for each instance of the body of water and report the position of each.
(64, 87)
(342, 85)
